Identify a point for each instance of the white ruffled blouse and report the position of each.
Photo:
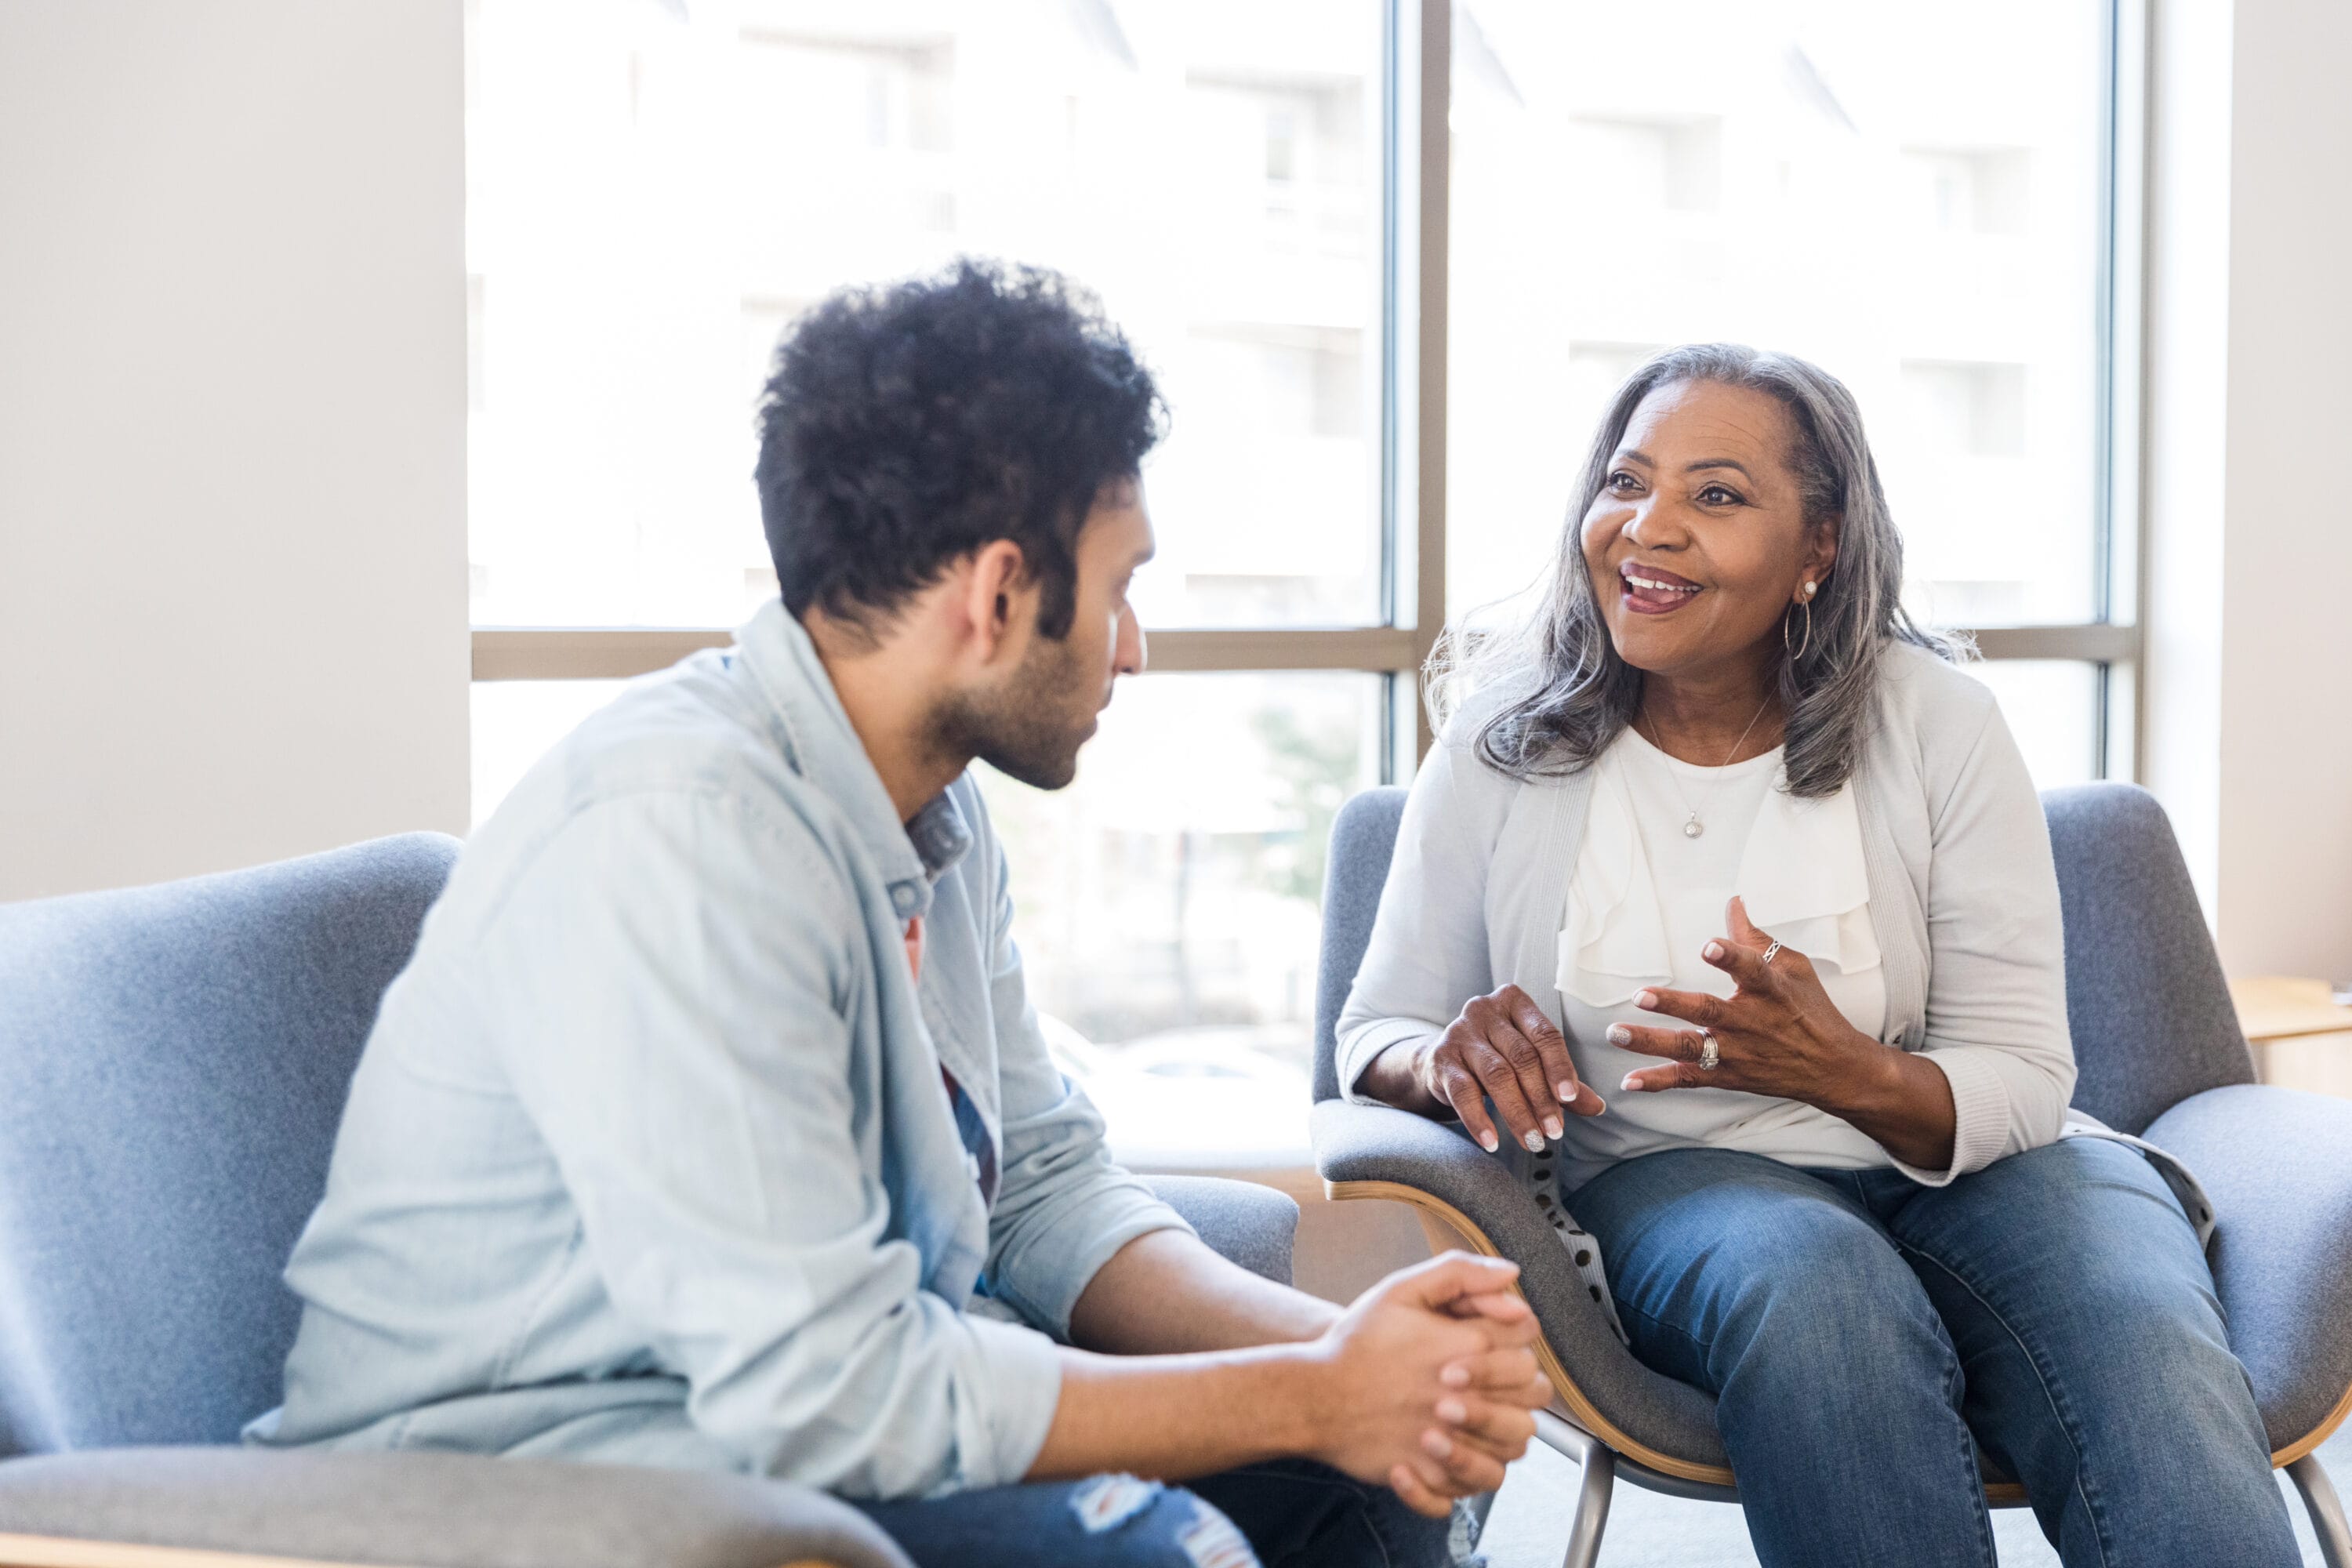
(1644, 899)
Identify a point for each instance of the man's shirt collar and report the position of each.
(820, 744)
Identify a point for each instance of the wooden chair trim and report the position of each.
(1446, 1226)
(64, 1552)
(2316, 1435)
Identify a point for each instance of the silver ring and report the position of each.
(1771, 953)
(1709, 1056)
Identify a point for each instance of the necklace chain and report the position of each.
(1694, 828)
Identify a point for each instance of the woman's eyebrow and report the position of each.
(1719, 463)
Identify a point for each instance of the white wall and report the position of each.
(232, 432)
(2188, 359)
(2285, 558)
(2251, 328)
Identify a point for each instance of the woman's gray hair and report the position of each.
(1569, 694)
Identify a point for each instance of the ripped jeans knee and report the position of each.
(1143, 1524)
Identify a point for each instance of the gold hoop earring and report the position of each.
(1804, 642)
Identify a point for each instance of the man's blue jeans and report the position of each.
(1865, 1338)
(1292, 1514)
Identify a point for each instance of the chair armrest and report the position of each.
(420, 1509)
(1375, 1150)
(1252, 1225)
(2278, 1165)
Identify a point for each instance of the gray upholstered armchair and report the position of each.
(2160, 1055)
(172, 1066)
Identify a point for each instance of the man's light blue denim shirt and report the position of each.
(650, 1158)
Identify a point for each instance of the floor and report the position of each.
(1529, 1525)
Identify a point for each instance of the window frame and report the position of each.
(1417, 77)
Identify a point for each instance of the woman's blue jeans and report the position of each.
(1289, 1514)
(1867, 1337)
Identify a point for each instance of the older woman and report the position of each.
(1722, 830)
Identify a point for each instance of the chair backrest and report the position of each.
(173, 1062)
(1363, 839)
(2145, 1001)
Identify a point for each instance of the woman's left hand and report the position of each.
(1777, 1034)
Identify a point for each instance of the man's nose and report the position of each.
(1131, 657)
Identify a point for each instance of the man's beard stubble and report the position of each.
(1031, 728)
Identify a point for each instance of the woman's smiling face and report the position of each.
(1698, 542)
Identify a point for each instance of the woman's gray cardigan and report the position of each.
(1962, 893)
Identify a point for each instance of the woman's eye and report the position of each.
(1716, 495)
(1621, 481)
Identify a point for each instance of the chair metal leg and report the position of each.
(1599, 1484)
(1591, 1508)
(2327, 1511)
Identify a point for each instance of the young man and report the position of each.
(710, 1125)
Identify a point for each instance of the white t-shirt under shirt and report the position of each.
(1644, 898)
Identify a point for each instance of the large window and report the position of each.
(657, 188)
(1389, 260)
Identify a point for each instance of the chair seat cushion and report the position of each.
(2278, 1166)
(432, 1511)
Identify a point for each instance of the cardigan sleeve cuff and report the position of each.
(1979, 1116)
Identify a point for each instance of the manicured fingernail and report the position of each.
(1712, 951)
(1629, 1086)
(1534, 1140)
(1487, 1137)
(1455, 1376)
(1552, 1125)
(1453, 1410)
(1619, 1035)
(1436, 1444)
(1567, 1092)
(1645, 1000)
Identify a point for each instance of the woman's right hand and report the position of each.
(1502, 1046)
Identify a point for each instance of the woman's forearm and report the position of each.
(1903, 1100)
(1391, 1079)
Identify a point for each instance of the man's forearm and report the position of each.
(1173, 1417)
(1165, 1293)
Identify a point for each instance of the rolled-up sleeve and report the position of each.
(675, 977)
(1063, 1208)
(1996, 1016)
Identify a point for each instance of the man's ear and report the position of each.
(997, 595)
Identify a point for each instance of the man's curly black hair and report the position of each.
(905, 427)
